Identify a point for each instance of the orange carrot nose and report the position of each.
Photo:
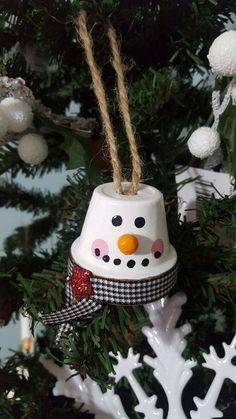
(127, 244)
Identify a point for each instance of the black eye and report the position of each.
(116, 220)
(139, 222)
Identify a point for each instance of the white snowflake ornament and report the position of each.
(32, 149)
(124, 368)
(222, 54)
(170, 369)
(18, 114)
(224, 369)
(203, 142)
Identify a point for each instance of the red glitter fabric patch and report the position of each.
(80, 283)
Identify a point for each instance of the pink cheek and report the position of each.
(100, 248)
(157, 248)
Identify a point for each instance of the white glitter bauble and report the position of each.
(18, 114)
(32, 149)
(203, 142)
(222, 54)
(3, 124)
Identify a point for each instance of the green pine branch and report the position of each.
(14, 195)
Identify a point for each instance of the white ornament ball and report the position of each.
(203, 142)
(3, 124)
(32, 149)
(222, 54)
(18, 114)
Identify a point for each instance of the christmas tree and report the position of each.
(164, 47)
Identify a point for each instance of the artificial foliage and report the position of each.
(164, 47)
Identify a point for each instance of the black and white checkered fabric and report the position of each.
(133, 292)
(73, 309)
(62, 329)
(69, 293)
(81, 308)
(111, 291)
(65, 327)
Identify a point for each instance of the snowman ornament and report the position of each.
(123, 255)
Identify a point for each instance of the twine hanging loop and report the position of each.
(122, 97)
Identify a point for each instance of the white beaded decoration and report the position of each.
(222, 54)
(33, 149)
(222, 58)
(18, 114)
(3, 124)
(203, 142)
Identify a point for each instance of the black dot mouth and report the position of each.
(145, 262)
(130, 264)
